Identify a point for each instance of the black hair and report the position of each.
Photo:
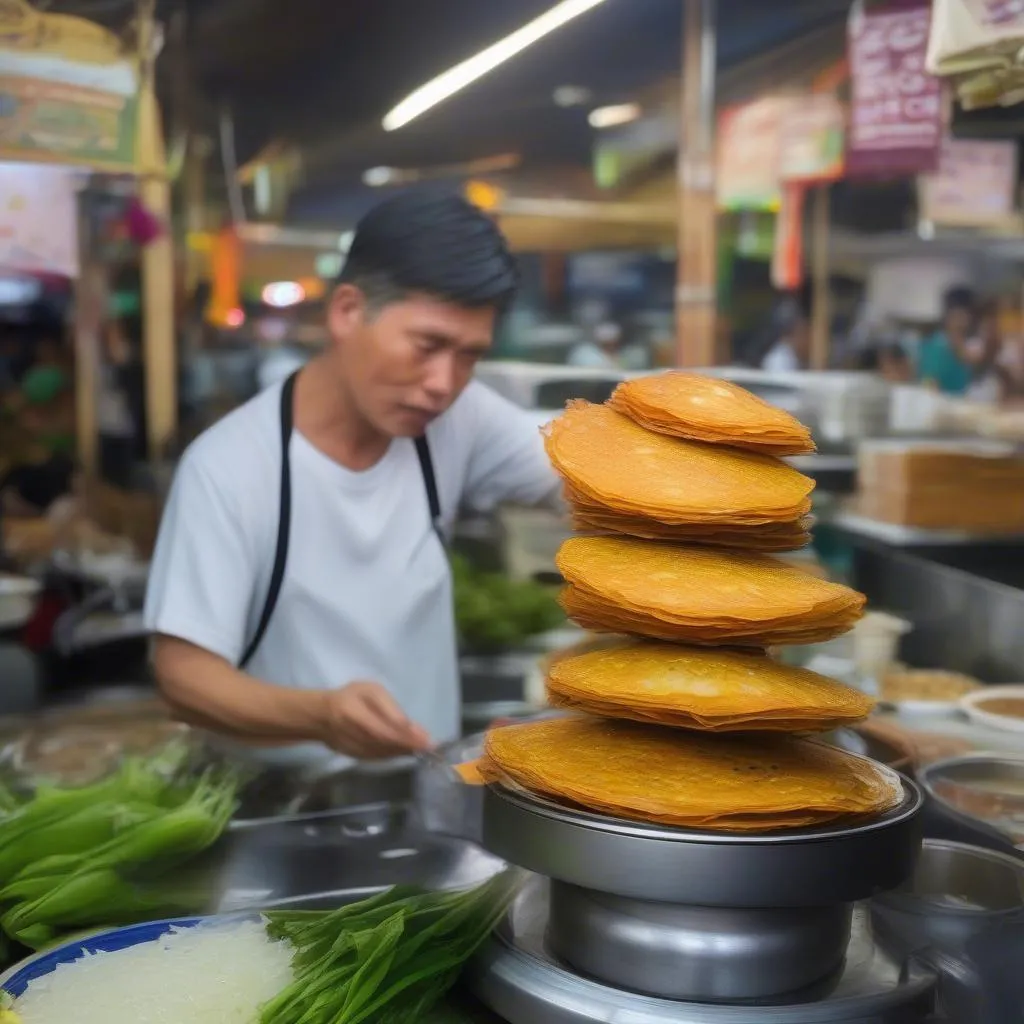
(433, 242)
(959, 297)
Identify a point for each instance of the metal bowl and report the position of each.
(956, 892)
(984, 792)
(963, 914)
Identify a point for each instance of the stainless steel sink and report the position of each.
(361, 848)
(279, 793)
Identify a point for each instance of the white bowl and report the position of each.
(972, 706)
(926, 708)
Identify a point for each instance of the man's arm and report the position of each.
(205, 689)
(361, 719)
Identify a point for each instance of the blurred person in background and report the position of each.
(121, 409)
(984, 350)
(300, 594)
(791, 348)
(954, 356)
(43, 469)
(602, 351)
(11, 360)
(889, 359)
(1010, 368)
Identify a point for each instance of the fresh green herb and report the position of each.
(386, 960)
(494, 612)
(109, 854)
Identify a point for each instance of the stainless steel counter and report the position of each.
(963, 593)
(362, 848)
(913, 537)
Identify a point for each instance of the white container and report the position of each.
(973, 705)
(876, 641)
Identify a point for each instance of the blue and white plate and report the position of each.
(19, 977)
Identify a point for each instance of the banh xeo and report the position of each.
(685, 721)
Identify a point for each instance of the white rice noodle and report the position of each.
(212, 974)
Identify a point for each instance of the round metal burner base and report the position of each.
(803, 868)
(518, 978)
(705, 954)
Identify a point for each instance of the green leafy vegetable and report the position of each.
(386, 960)
(493, 612)
(110, 853)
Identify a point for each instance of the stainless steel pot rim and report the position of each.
(921, 904)
(910, 806)
(981, 852)
(978, 757)
(945, 769)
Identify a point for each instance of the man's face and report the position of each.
(406, 364)
(959, 322)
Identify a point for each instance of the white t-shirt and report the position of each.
(587, 354)
(781, 358)
(367, 592)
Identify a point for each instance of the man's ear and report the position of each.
(346, 311)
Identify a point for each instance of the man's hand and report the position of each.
(361, 720)
(365, 721)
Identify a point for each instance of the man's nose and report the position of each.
(440, 381)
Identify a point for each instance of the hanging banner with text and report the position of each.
(38, 219)
(68, 93)
(749, 137)
(812, 138)
(896, 108)
(975, 184)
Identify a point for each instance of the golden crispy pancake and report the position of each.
(738, 783)
(702, 688)
(707, 409)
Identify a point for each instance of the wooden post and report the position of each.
(697, 257)
(158, 331)
(821, 302)
(89, 321)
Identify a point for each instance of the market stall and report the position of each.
(709, 801)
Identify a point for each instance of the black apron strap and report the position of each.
(284, 521)
(429, 480)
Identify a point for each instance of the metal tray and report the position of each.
(519, 979)
(804, 868)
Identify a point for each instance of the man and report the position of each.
(358, 652)
(791, 350)
(601, 353)
(44, 470)
(948, 359)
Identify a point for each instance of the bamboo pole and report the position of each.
(160, 356)
(696, 263)
(90, 316)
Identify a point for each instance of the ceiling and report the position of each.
(322, 73)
